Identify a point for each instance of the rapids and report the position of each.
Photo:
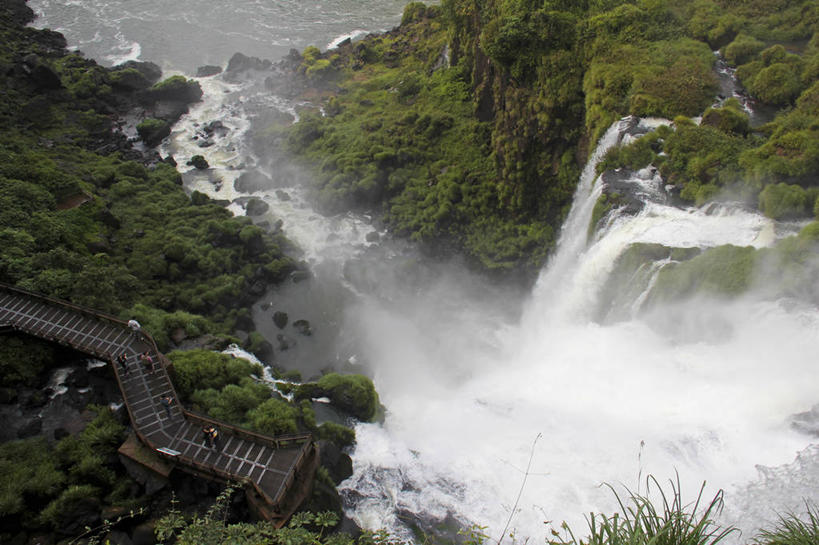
(480, 382)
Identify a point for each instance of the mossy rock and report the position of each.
(198, 162)
(152, 131)
(353, 394)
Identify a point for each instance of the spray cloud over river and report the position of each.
(472, 374)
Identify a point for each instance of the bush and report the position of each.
(274, 417)
(792, 529)
(29, 474)
(352, 393)
(336, 433)
(152, 131)
(724, 270)
(778, 83)
(647, 522)
(201, 369)
(783, 201)
(743, 49)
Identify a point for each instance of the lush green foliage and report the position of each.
(203, 369)
(665, 521)
(481, 155)
(352, 393)
(792, 529)
(40, 483)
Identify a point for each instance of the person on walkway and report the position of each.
(122, 360)
(136, 329)
(147, 362)
(214, 438)
(166, 401)
(207, 431)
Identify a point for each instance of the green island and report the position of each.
(465, 128)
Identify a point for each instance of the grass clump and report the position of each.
(792, 529)
(643, 521)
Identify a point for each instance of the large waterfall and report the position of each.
(480, 382)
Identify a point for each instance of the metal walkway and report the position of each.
(276, 471)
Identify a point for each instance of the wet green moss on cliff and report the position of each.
(466, 126)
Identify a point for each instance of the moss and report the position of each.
(722, 271)
(354, 394)
(201, 369)
(783, 201)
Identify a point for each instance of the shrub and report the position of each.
(783, 201)
(152, 131)
(28, 473)
(352, 393)
(336, 433)
(201, 369)
(792, 529)
(274, 417)
(724, 270)
(778, 83)
(666, 521)
(742, 49)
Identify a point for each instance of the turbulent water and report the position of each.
(503, 409)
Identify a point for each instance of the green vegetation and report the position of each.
(481, 153)
(354, 394)
(792, 530)
(666, 521)
(43, 484)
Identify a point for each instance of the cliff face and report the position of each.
(467, 125)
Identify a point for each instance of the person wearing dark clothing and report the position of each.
(166, 402)
(122, 360)
(206, 432)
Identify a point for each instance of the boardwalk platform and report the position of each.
(276, 471)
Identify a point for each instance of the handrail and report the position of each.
(305, 439)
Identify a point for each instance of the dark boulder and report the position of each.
(251, 182)
(208, 70)
(240, 63)
(153, 131)
(17, 11)
(303, 327)
(149, 70)
(338, 464)
(198, 162)
(31, 428)
(280, 319)
(256, 207)
(283, 195)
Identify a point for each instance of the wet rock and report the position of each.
(283, 195)
(18, 11)
(32, 428)
(149, 70)
(240, 63)
(256, 207)
(303, 327)
(280, 319)
(339, 465)
(60, 433)
(251, 182)
(807, 422)
(208, 70)
(372, 236)
(198, 162)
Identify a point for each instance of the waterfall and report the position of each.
(702, 389)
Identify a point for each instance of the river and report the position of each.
(504, 409)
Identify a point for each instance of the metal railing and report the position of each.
(276, 442)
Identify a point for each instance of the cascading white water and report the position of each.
(704, 389)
